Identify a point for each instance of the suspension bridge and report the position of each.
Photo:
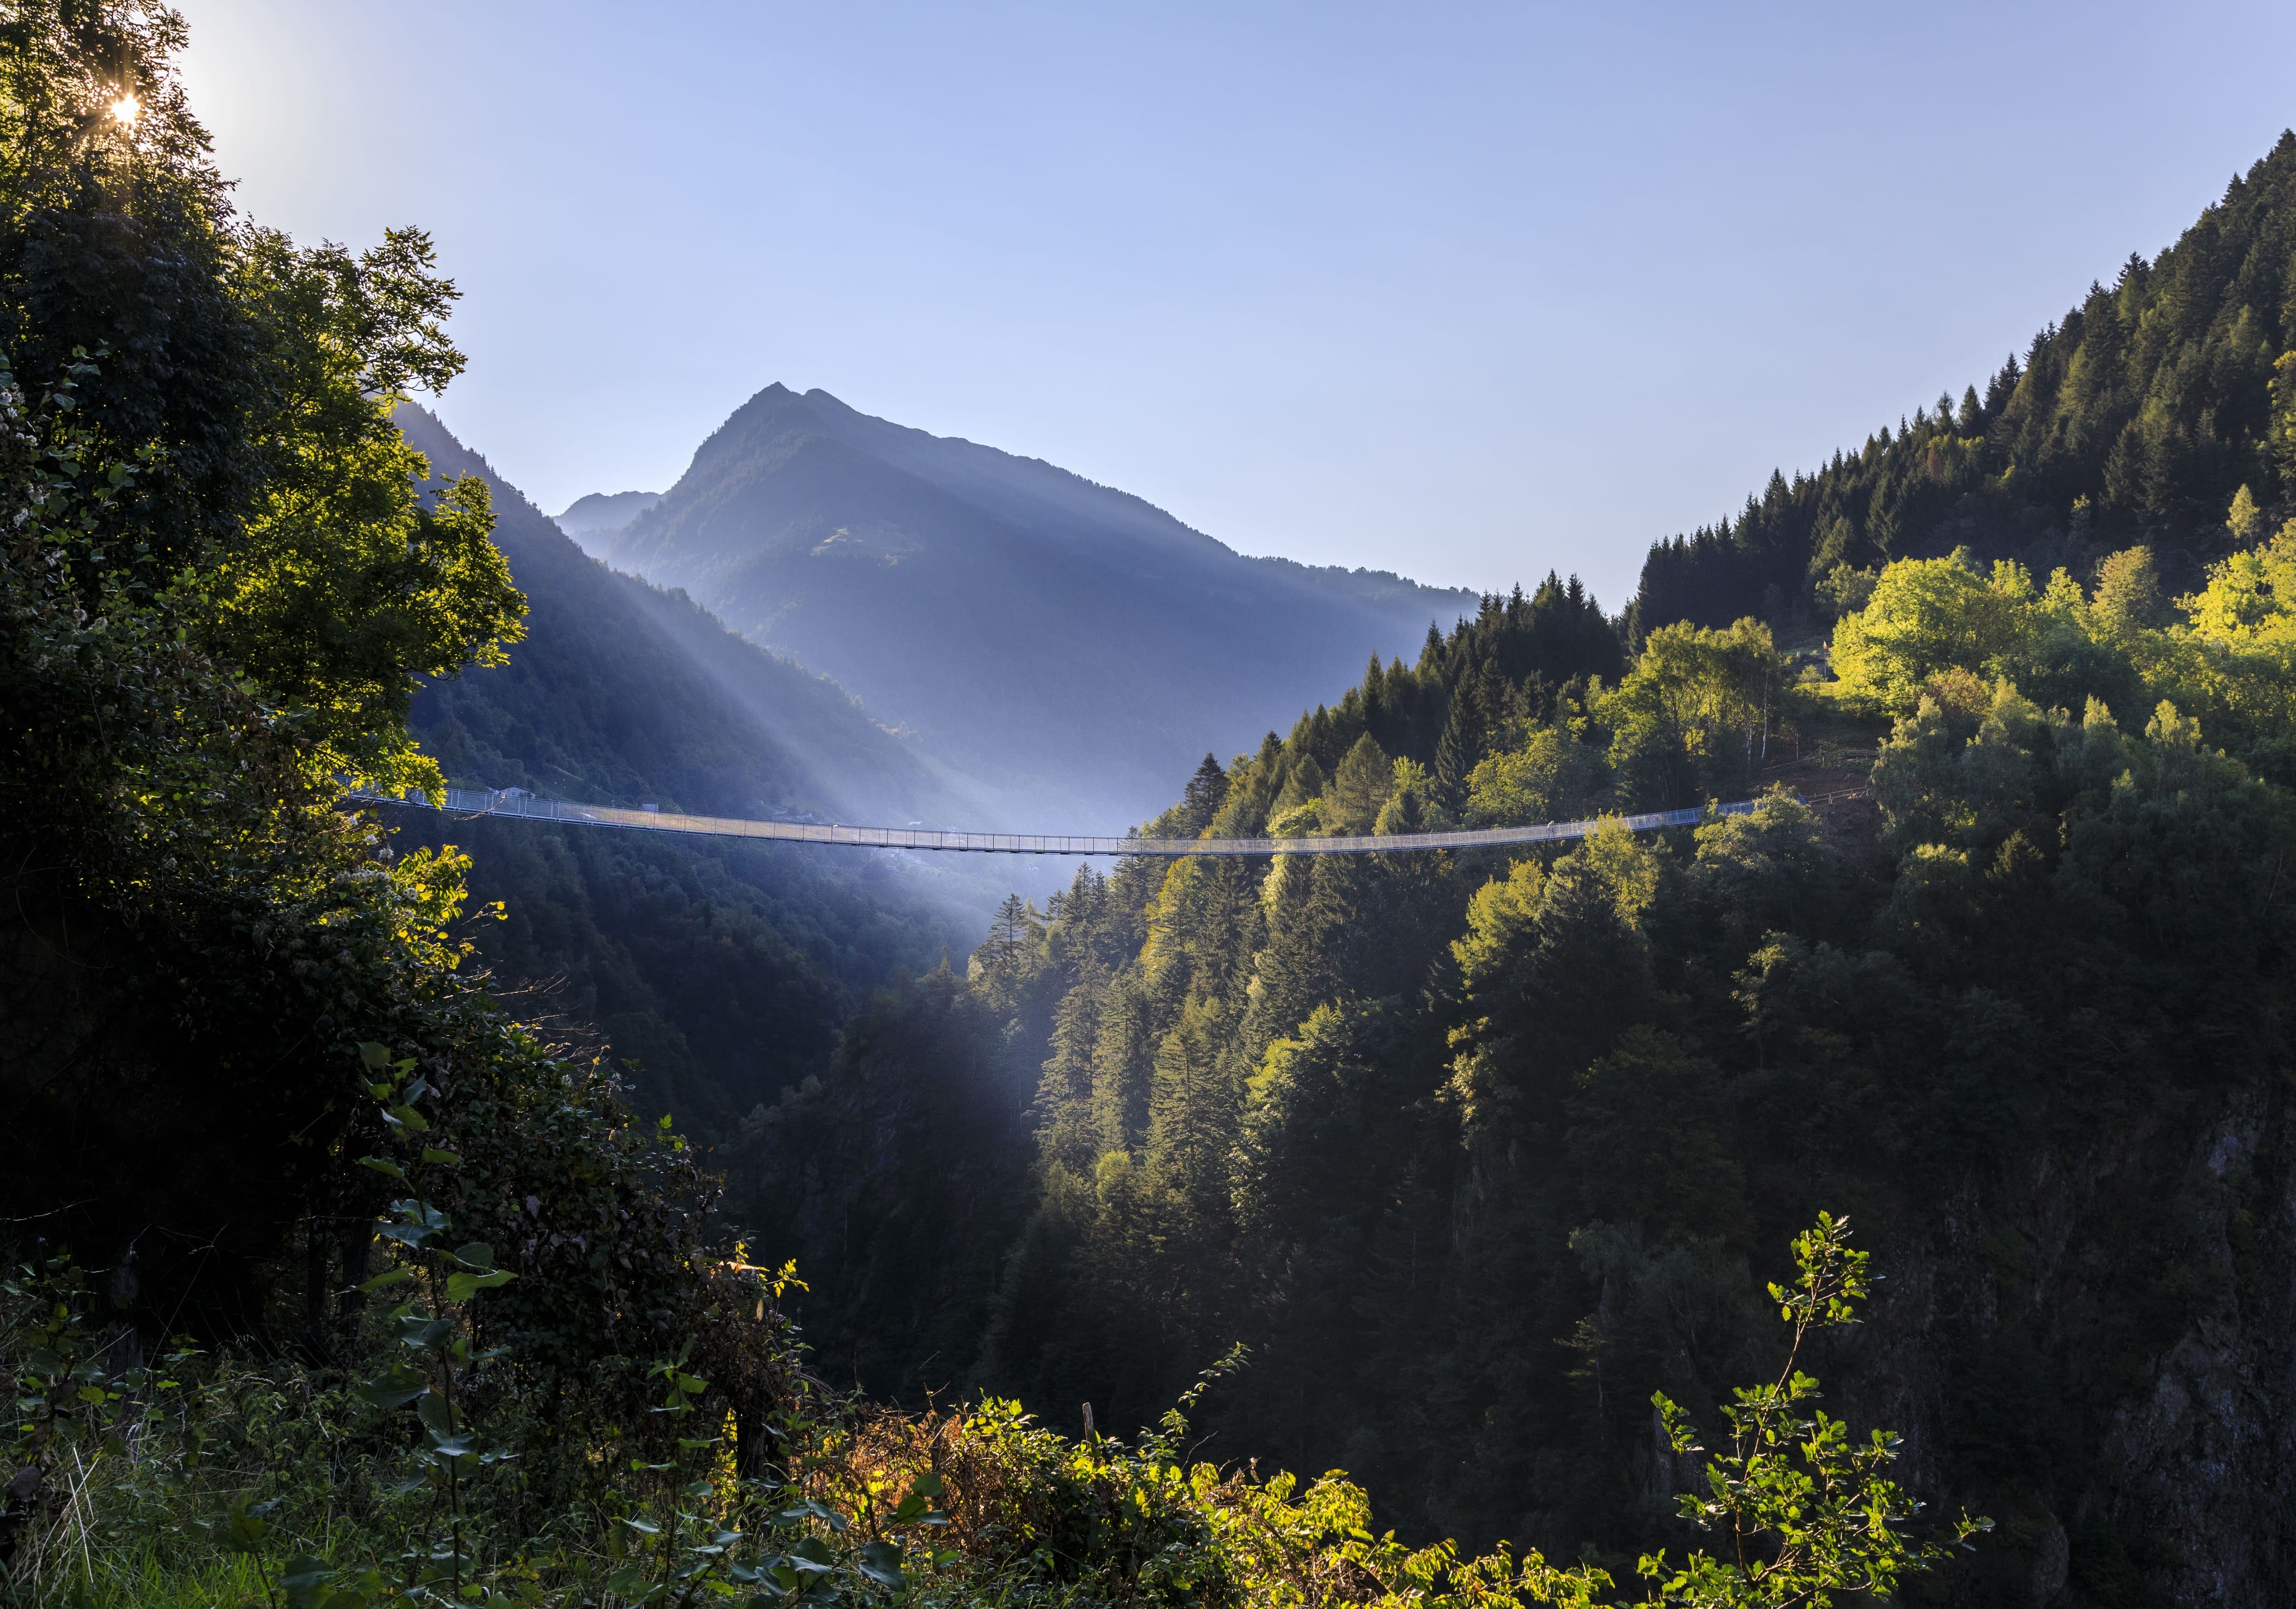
(472, 803)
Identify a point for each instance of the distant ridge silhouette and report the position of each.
(1072, 640)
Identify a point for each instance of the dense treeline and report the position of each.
(715, 974)
(1474, 1154)
(2138, 417)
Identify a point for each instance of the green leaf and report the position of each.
(478, 1255)
(383, 1166)
(462, 1288)
(375, 1056)
(629, 1583)
(302, 1578)
(410, 1118)
(881, 1562)
(246, 1526)
(384, 1281)
(437, 1157)
(422, 1331)
(395, 1387)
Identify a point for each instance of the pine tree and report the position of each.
(1461, 746)
(1430, 652)
(1360, 787)
(1206, 790)
(1067, 1133)
(1120, 1061)
(1192, 1117)
(1008, 954)
(2246, 520)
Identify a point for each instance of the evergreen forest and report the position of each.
(2137, 418)
(1878, 1193)
(1474, 1152)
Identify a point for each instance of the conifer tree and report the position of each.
(1205, 792)
(1461, 745)
(1008, 954)
(2246, 520)
(1303, 781)
(1191, 1126)
(1121, 1059)
(1068, 1134)
(1360, 785)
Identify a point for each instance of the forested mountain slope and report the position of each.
(624, 693)
(721, 969)
(2137, 417)
(1475, 1152)
(1023, 621)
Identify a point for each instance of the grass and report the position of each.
(147, 1578)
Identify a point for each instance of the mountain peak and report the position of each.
(593, 520)
(1021, 619)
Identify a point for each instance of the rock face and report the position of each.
(2102, 1356)
(1021, 619)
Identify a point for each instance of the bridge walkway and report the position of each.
(525, 806)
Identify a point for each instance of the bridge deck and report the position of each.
(479, 802)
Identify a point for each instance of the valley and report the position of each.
(1315, 1206)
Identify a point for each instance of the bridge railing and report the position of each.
(525, 806)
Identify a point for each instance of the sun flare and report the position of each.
(126, 109)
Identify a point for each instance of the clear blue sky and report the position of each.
(1462, 291)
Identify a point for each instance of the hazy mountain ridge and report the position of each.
(624, 693)
(1374, 586)
(1025, 622)
(721, 967)
(589, 519)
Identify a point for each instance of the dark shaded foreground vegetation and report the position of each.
(199, 1479)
